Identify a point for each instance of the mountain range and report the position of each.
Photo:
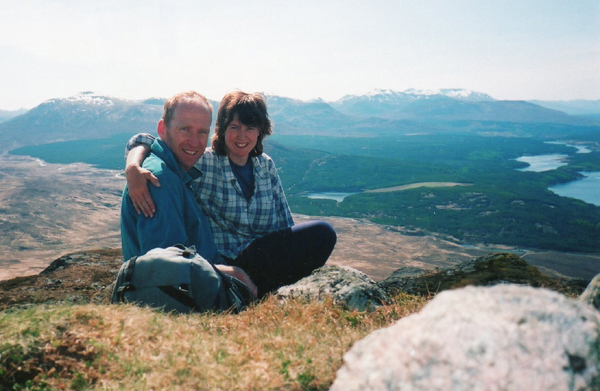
(448, 105)
(90, 115)
(83, 116)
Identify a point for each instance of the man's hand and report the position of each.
(137, 183)
(241, 275)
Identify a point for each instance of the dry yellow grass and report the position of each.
(272, 346)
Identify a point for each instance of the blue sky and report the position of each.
(509, 49)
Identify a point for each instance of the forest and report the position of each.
(496, 204)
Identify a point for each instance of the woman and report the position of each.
(241, 193)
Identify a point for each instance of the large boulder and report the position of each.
(488, 270)
(506, 337)
(344, 285)
(591, 295)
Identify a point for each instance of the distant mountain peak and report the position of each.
(381, 91)
(387, 95)
(464, 94)
(380, 95)
(86, 97)
(154, 101)
(455, 93)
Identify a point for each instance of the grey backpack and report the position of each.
(177, 279)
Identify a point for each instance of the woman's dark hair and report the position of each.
(251, 110)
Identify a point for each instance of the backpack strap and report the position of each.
(181, 295)
(236, 293)
(127, 285)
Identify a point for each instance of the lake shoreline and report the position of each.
(340, 196)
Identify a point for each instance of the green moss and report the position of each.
(487, 271)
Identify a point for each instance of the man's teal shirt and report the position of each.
(178, 218)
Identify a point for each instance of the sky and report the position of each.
(509, 49)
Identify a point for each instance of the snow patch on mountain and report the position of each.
(378, 94)
(411, 94)
(85, 98)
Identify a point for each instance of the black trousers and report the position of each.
(284, 257)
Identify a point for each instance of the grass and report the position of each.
(293, 345)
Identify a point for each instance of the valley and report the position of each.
(409, 178)
(467, 187)
(49, 210)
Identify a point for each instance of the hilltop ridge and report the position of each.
(90, 115)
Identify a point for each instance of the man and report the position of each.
(183, 131)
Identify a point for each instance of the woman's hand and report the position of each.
(241, 275)
(137, 183)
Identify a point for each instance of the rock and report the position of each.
(591, 295)
(492, 269)
(344, 284)
(407, 272)
(81, 277)
(406, 279)
(506, 337)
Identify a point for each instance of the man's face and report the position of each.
(187, 134)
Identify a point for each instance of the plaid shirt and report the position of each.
(235, 222)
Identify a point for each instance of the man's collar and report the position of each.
(162, 151)
(194, 172)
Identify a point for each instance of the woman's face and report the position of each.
(240, 140)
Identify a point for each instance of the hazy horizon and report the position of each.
(510, 50)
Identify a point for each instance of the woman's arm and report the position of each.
(137, 149)
(137, 180)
